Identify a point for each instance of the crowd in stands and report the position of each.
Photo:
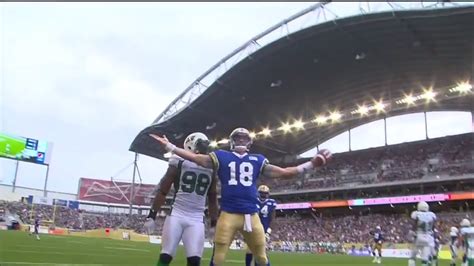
(448, 156)
(294, 227)
(355, 228)
(74, 218)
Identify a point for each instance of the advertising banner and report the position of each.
(114, 192)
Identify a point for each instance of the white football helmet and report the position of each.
(423, 206)
(196, 142)
(465, 223)
(237, 145)
(378, 227)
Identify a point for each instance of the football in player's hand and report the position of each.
(322, 158)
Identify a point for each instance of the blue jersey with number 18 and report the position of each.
(238, 175)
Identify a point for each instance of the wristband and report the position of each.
(170, 147)
(304, 166)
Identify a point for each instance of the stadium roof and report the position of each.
(329, 67)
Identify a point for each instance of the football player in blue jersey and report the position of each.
(37, 225)
(267, 216)
(378, 241)
(238, 172)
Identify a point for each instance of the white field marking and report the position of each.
(124, 244)
(47, 247)
(79, 242)
(227, 261)
(67, 253)
(134, 249)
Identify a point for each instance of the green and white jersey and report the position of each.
(424, 221)
(191, 187)
(467, 234)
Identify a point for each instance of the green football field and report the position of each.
(18, 248)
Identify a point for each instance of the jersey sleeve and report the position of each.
(414, 215)
(274, 205)
(264, 162)
(174, 160)
(215, 155)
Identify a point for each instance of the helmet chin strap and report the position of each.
(241, 148)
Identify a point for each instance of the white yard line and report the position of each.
(134, 249)
(227, 261)
(79, 242)
(66, 253)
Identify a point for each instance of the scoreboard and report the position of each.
(25, 149)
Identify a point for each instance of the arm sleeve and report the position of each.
(174, 160)
(215, 159)
(265, 162)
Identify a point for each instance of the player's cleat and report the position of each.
(374, 260)
(379, 260)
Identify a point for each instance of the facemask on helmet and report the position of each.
(263, 192)
(196, 142)
(240, 140)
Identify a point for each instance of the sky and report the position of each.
(89, 76)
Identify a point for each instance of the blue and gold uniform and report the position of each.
(267, 207)
(238, 174)
(378, 241)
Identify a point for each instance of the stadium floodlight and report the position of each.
(285, 127)
(223, 141)
(429, 95)
(253, 135)
(321, 119)
(409, 99)
(265, 132)
(462, 88)
(335, 116)
(363, 110)
(298, 124)
(380, 106)
(213, 144)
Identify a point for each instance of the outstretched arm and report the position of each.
(318, 160)
(162, 191)
(203, 160)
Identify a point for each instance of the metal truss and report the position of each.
(318, 13)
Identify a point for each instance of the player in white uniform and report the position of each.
(186, 221)
(423, 226)
(453, 244)
(467, 239)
